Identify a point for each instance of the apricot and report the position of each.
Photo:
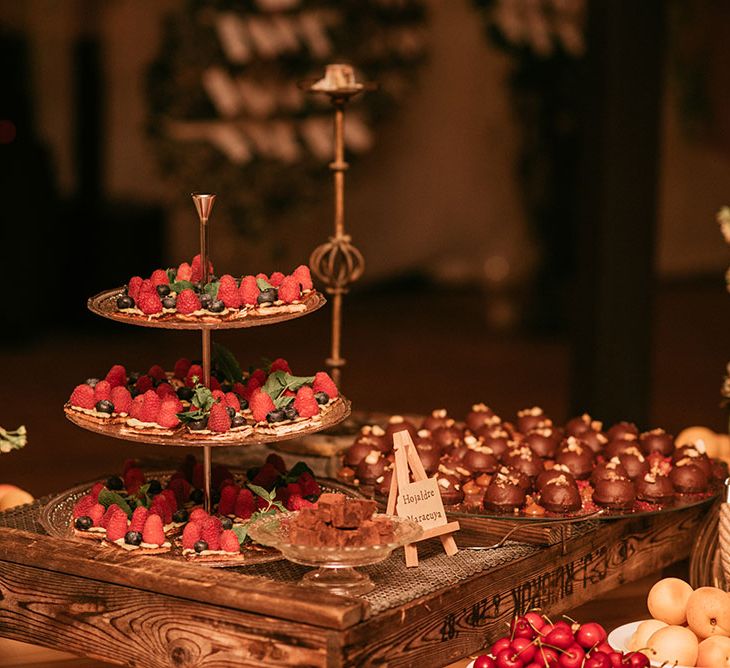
(673, 645)
(643, 632)
(11, 496)
(714, 652)
(667, 601)
(708, 612)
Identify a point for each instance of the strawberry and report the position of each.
(211, 533)
(290, 290)
(117, 526)
(260, 375)
(219, 475)
(135, 410)
(135, 283)
(229, 541)
(187, 302)
(277, 462)
(139, 517)
(130, 464)
(165, 390)
(150, 407)
(167, 415)
(219, 396)
(214, 383)
(198, 515)
(197, 478)
(133, 480)
(251, 385)
(239, 389)
(157, 372)
(83, 506)
(96, 512)
(266, 477)
(143, 384)
(102, 391)
(261, 405)
(298, 503)
(117, 375)
(229, 494)
(170, 498)
(191, 535)
(108, 514)
(219, 420)
(309, 485)
(121, 398)
(162, 508)
(323, 383)
(232, 401)
(249, 290)
(181, 488)
(96, 489)
(159, 277)
(245, 504)
(149, 302)
(83, 397)
(197, 269)
(301, 273)
(181, 368)
(153, 533)
(228, 292)
(276, 278)
(305, 403)
(279, 364)
(195, 371)
(184, 272)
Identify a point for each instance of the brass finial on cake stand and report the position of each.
(338, 263)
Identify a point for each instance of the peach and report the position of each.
(714, 652)
(708, 612)
(667, 601)
(673, 645)
(643, 632)
(11, 496)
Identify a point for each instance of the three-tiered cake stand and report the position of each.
(104, 304)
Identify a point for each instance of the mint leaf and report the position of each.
(212, 289)
(263, 284)
(203, 398)
(179, 286)
(283, 401)
(171, 273)
(260, 491)
(241, 531)
(280, 381)
(107, 497)
(227, 364)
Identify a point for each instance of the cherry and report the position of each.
(534, 664)
(485, 661)
(535, 620)
(547, 655)
(559, 637)
(524, 648)
(502, 643)
(521, 628)
(636, 660)
(572, 657)
(507, 658)
(616, 659)
(604, 647)
(563, 624)
(590, 635)
(598, 660)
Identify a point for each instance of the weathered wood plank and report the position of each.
(435, 630)
(131, 627)
(214, 586)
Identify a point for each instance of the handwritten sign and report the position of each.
(421, 502)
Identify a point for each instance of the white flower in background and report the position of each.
(723, 220)
(12, 440)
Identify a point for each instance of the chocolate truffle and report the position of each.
(561, 495)
(480, 460)
(577, 425)
(654, 488)
(498, 440)
(608, 471)
(547, 475)
(524, 460)
(543, 442)
(374, 437)
(617, 445)
(522, 480)
(529, 418)
(719, 469)
(450, 489)
(688, 478)
(621, 430)
(430, 460)
(356, 453)
(371, 468)
(503, 495)
(634, 462)
(479, 416)
(657, 440)
(382, 484)
(438, 418)
(697, 457)
(398, 423)
(617, 494)
(577, 456)
(447, 437)
(594, 439)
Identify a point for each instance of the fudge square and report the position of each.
(344, 513)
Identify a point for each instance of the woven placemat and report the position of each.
(396, 584)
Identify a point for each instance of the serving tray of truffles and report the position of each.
(532, 469)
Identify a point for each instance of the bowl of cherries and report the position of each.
(534, 641)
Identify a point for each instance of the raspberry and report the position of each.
(228, 292)
(276, 278)
(133, 480)
(167, 416)
(229, 541)
(96, 512)
(82, 397)
(187, 302)
(298, 503)
(219, 420)
(261, 405)
(232, 401)
(249, 290)
(292, 489)
(244, 504)
(195, 371)
(102, 391)
(219, 396)
(219, 475)
(191, 535)
(139, 517)
(150, 407)
(197, 269)
(83, 506)
(184, 272)
(135, 283)
(181, 488)
(252, 385)
(153, 533)
(229, 494)
(215, 384)
(289, 290)
(277, 462)
(279, 364)
(170, 497)
(130, 464)
(239, 389)
(121, 398)
(162, 508)
(198, 476)
(301, 273)
(260, 375)
(135, 410)
(96, 490)
(305, 403)
(108, 514)
(159, 277)
(323, 383)
(262, 276)
(211, 533)
(181, 368)
(117, 375)
(198, 515)
(266, 477)
(149, 303)
(157, 372)
(165, 390)
(309, 485)
(143, 384)
(117, 526)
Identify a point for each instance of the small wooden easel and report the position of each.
(408, 461)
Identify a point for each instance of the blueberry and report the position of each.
(180, 515)
(185, 393)
(205, 300)
(198, 425)
(91, 382)
(215, 496)
(277, 415)
(322, 397)
(115, 483)
(125, 301)
(104, 406)
(154, 487)
(268, 296)
(217, 306)
(244, 404)
(196, 496)
(169, 302)
(291, 412)
(238, 421)
(133, 538)
(197, 286)
(200, 546)
(134, 377)
(231, 412)
(163, 290)
(84, 523)
(226, 523)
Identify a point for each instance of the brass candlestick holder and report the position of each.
(338, 263)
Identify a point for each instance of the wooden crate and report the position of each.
(151, 612)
